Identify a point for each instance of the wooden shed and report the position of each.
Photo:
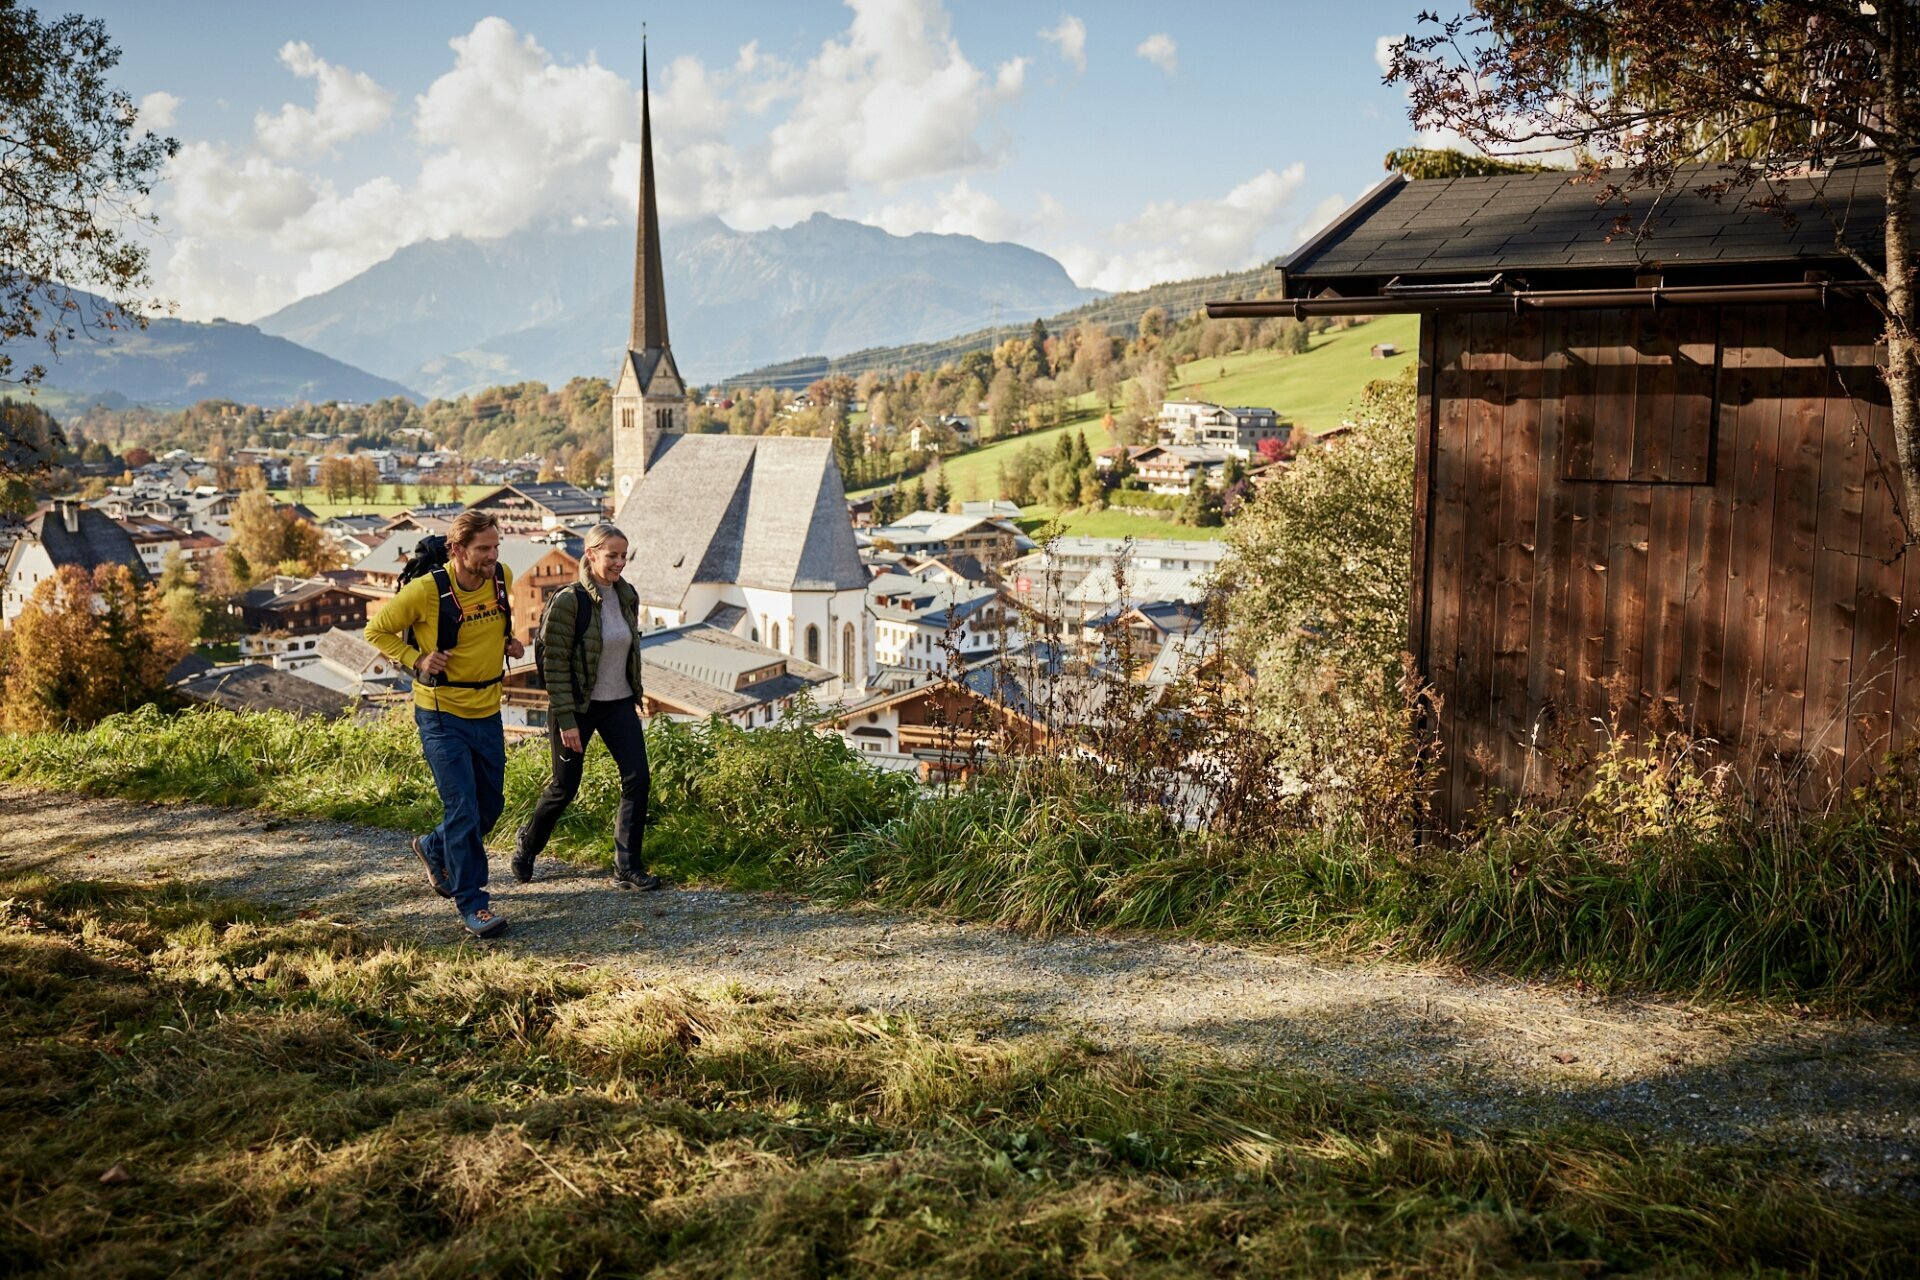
(1655, 480)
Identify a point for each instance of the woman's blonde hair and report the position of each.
(605, 531)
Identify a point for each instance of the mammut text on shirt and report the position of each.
(480, 654)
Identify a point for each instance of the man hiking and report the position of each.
(451, 626)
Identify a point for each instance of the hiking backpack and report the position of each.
(430, 557)
(585, 601)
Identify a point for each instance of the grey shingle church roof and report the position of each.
(1545, 222)
(759, 511)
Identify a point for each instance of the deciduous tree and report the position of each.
(85, 646)
(72, 174)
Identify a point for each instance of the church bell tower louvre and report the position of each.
(649, 397)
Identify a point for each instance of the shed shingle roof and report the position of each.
(1543, 222)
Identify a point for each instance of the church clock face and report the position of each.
(626, 485)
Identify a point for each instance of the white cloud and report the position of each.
(346, 104)
(958, 211)
(1160, 50)
(157, 109)
(1070, 37)
(509, 137)
(1175, 241)
(210, 191)
(894, 101)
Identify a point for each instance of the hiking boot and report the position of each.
(522, 858)
(483, 923)
(436, 874)
(637, 880)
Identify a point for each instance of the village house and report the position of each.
(942, 730)
(696, 671)
(1238, 431)
(992, 540)
(540, 508)
(63, 534)
(1653, 475)
(155, 540)
(285, 616)
(918, 624)
(1176, 468)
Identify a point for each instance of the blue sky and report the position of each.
(1134, 142)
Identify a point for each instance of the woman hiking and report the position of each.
(590, 663)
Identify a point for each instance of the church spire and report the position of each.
(649, 285)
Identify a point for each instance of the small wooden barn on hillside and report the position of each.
(1654, 474)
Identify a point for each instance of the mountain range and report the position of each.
(448, 316)
(176, 362)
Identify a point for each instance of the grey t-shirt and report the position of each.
(610, 683)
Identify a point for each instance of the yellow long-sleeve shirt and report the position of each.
(480, 654)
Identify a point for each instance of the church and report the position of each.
(748, 534)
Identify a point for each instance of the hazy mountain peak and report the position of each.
(453, 315)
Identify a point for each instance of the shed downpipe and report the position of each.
(1544, 300)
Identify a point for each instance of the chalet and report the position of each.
(1654, 477)
(1176, 468)
(1064, 564)
(64, 534)
(348, 664)
(284, 615)
(1239, 431)
(155, 540)
(541, 569)
(539, 508)
(1141, 631)
(992, 540)
(917, 622)
(697, 671)
(943, 729)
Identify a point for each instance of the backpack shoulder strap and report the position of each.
(448, 634)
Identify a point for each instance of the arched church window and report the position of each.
(776, 635)
(846, 654)
(626, 419)
(813, 644)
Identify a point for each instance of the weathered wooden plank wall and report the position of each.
(1649, 520)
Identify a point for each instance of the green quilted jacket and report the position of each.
(561, 647)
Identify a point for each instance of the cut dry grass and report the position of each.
(282, 1097)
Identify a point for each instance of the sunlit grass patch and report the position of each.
(272, 1096)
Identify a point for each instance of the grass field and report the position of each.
(1113, 524)
(1312, 390)
(200, 1086)
(385, 505)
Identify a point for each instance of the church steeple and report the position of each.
(649, 284)
(649, 399)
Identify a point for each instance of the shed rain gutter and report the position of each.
(1542, 300)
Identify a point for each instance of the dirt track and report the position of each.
(1478, 1051)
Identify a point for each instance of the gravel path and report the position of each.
(1478, 1051)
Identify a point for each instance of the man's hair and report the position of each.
(469, 523)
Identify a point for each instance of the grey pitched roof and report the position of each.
(256, 687)
(1545, 222)
(700, 668)
(758, 511)
(95, 539)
